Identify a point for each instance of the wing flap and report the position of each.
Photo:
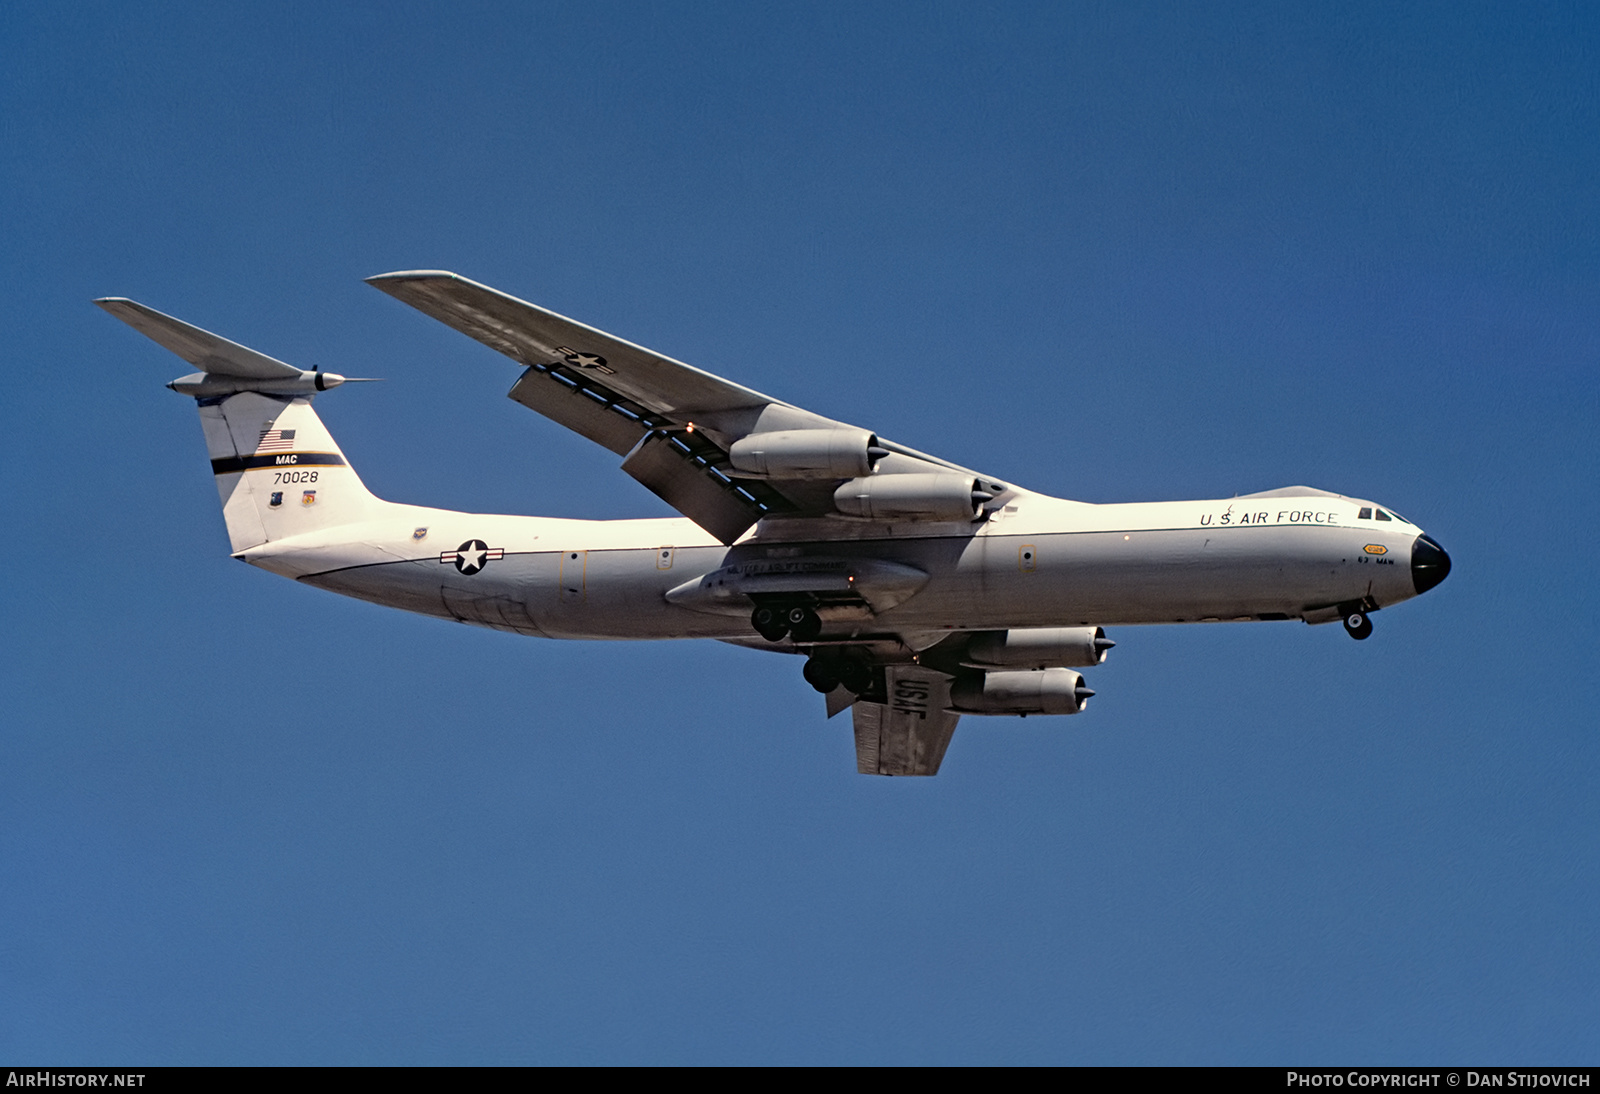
(588, 408)
(673, 476)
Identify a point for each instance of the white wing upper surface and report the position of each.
(674, 423)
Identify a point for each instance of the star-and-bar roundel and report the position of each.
(591, 361)
(473, 556)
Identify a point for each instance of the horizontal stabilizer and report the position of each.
(205, 351)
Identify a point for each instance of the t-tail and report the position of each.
(278, 470)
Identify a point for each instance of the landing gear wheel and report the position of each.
(855, 675)
(1358, 625)
(820, 675)
(770, 623)
(804, 624)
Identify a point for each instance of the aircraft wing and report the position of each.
(907, 734)
(674, 423)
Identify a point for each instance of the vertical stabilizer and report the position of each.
(278, 469)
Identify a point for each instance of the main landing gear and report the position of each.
(796, 621)
(825, 674)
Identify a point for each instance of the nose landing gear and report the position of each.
(1357, 624)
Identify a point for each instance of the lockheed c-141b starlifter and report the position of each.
(915, 589)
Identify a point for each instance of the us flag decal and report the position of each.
(275, 440)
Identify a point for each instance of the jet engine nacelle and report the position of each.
(939, 495)
(1042, 691)
(806, 454)
(1039, 648)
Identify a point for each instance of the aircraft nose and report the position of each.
(1429, 564)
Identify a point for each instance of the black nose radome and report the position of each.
(1429, 564)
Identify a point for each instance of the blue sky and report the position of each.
(1111, 252)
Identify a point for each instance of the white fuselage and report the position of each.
(1039, 562)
